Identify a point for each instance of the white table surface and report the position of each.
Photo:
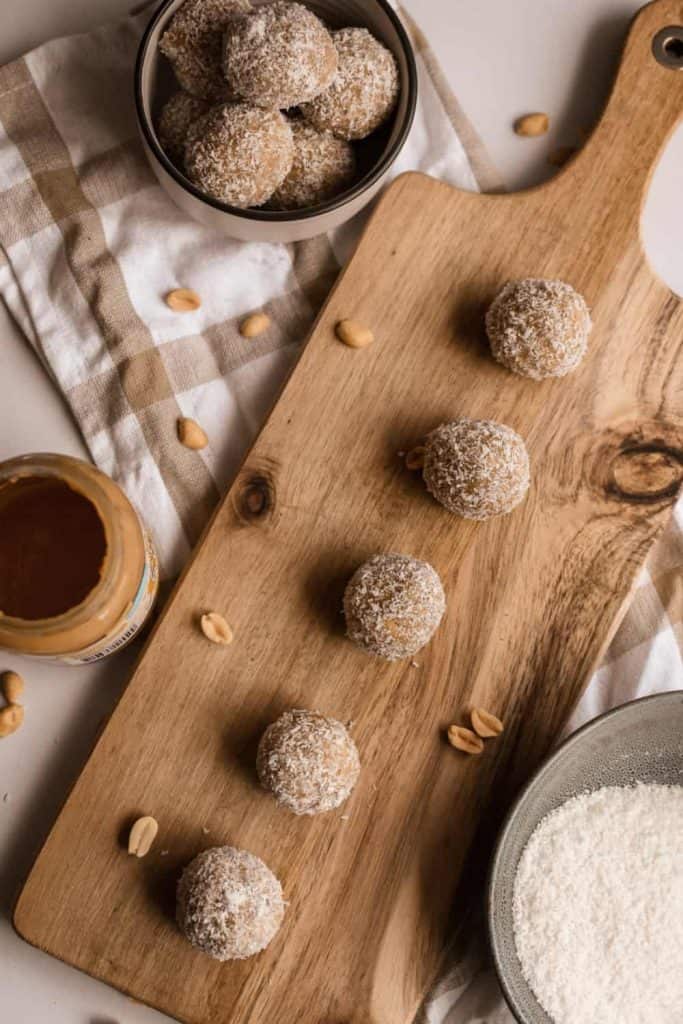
(502, 59)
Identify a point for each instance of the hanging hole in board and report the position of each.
(667, 46)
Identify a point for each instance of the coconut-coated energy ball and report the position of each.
(308, 762)
(193, 44)
(177, 115)
(476, 468)
(228, 903)
(364, 91)
(538, 328)
(393, 605)
(239, 154)
(323, 166)
(280, 55)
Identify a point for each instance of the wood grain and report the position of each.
(533, 597)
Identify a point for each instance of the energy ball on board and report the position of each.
(229, 904)
(364, 91)
(178, 113)
(393, 605)
(278, 56)
(476, 468)
(308, 762)
(538, 328)
(193, 44)
(239, 154)
(323, 166)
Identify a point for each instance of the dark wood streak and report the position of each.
(661, 330)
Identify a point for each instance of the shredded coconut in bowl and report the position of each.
(598, 908)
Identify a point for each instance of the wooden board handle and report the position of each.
(644, 107)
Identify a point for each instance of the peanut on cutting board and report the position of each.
(464, 739)
(191, 434)
(485, 724)
(471, 741)
(254, 325)
(532, 125)
(354, 334)
(215, 628)
(183, 300)
(142, 835)
(415, 458)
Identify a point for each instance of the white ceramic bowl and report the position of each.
(154, 83)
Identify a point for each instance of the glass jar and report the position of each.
(78, 570)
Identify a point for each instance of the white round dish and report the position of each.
(154, 83)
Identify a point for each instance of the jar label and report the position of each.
(131, 621)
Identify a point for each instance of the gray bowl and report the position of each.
(154, 83)
(638, 742)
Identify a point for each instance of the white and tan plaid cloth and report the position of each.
(92, 245)
(89, 245)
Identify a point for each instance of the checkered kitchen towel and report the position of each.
(92, 244)
(89, 245)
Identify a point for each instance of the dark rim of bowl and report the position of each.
(594, 723)
(281, 216)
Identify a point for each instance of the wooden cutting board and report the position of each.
(532, 598)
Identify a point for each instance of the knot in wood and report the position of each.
(647, 473)
(257, 497)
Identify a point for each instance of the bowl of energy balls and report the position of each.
(274, 121)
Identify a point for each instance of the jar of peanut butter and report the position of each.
(78, 570)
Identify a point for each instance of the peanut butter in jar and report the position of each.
(78, 570)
